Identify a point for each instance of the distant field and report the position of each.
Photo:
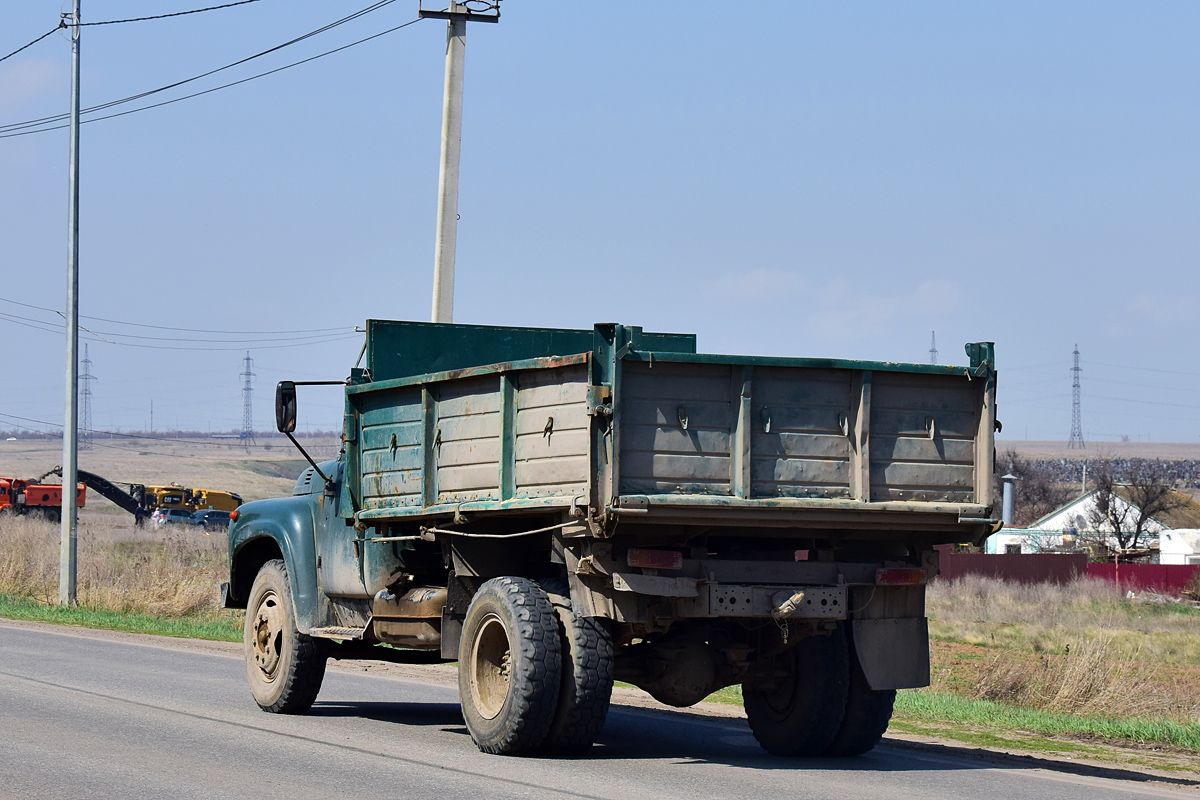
(268, 470)
(1171, 451)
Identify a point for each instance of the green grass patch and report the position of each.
(225, 626)
(919, 708)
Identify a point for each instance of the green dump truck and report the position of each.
(558, 509)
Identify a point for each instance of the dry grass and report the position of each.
(1091, 680)
(1051, 618)
(1079, 648)
(170, 573)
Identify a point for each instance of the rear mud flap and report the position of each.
(893, 653)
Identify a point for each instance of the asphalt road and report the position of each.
(83, 717)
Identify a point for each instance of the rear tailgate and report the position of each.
(746, 434)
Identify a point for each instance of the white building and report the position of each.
(1063, 528)
(1179, 546)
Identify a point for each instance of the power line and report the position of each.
(164, 16)
(36, 123)
(222, 86)
(275, 338)
(152, 437)
(1144, 369)
(61, 25)
(329, 338)
(171, 328)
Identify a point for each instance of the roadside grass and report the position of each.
(222, 626)
(169, 573)
(916, 709)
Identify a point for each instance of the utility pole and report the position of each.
(458, 15)
(69, 539)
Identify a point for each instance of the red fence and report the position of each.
(1024, 568)
(1062, 568)
(1165, 578)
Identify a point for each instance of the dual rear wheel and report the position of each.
(817, 702)
(532, 676)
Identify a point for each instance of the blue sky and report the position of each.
(814, 179)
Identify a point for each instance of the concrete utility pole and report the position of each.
(70, 473)
(458, 15)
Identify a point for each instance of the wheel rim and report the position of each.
(268, 635)
(491, 666)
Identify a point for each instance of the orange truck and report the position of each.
(22, 497)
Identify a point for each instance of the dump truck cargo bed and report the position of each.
(624, 426)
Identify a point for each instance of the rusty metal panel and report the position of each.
(551, 430)
(467, 440)
(390, 456)
(677, 422)
(802, 432)
(922, 440)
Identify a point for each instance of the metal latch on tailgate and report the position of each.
(598, 401)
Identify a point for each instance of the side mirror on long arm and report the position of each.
(285, 407)
(285, 415)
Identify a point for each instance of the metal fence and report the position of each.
(1165, 578)
(1023, 568)
(1063, 568)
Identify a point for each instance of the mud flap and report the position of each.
(893, 653)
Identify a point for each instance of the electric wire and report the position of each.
(173, 14)
(150, 436)
(60, 326)
(37, 123)
(330, 339)
(35, 41)
(169, 327)
(218, 88)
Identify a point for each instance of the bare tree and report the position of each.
(1127, 499)
(1038, 492)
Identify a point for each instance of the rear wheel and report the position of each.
(587, 676)
(509, 666)
(868, 712)
(285, 667)
(798, 711)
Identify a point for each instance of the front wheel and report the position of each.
(798, 710)
(510, 664)
(285, 667)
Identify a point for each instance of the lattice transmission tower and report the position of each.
(1076, 439)
(85, 402)
(247, 400)
(933, 347)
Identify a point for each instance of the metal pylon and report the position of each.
(248, 401)
(1076, 440)
(85, 402)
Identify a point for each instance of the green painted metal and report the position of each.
(398, 349)
(289, 522)
(508, 422)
